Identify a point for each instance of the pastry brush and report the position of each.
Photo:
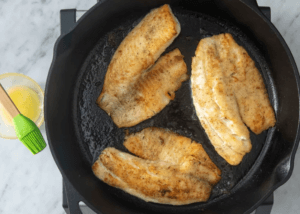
(26, 130)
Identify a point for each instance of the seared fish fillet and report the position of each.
(153, 181)
(130, 84)
(160, 144)
(150, 93)
(247, 83)
(224, 80)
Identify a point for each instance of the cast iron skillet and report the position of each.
(78, 130)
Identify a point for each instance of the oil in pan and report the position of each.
(97, 131)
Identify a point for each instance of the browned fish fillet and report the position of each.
(216, 106)
(247, 83)
(222, 86)
(150, 94)
(153, 181)
(161, 144)
(130, 85)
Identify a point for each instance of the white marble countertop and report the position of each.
(29, 29)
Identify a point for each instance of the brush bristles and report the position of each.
(34, 141)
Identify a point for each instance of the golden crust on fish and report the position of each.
(153, 181)
(130, 68)
(224, 151)
(221, 121)
(247, 83)
(227, 91)
(160, 144)
(150, 93)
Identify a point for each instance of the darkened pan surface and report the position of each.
(97, 130)
(91, 130)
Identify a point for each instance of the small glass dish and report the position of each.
(10, 80)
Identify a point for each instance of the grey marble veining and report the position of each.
(29, 29)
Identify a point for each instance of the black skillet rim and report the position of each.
(253, 6)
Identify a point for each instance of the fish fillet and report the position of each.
(150, 94)
(221, 92)
(163, 145)
(247, 83)
(132, 82)
(152, 181)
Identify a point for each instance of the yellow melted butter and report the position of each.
(26, 100)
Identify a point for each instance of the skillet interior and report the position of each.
(67, 141)
(97, 131)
